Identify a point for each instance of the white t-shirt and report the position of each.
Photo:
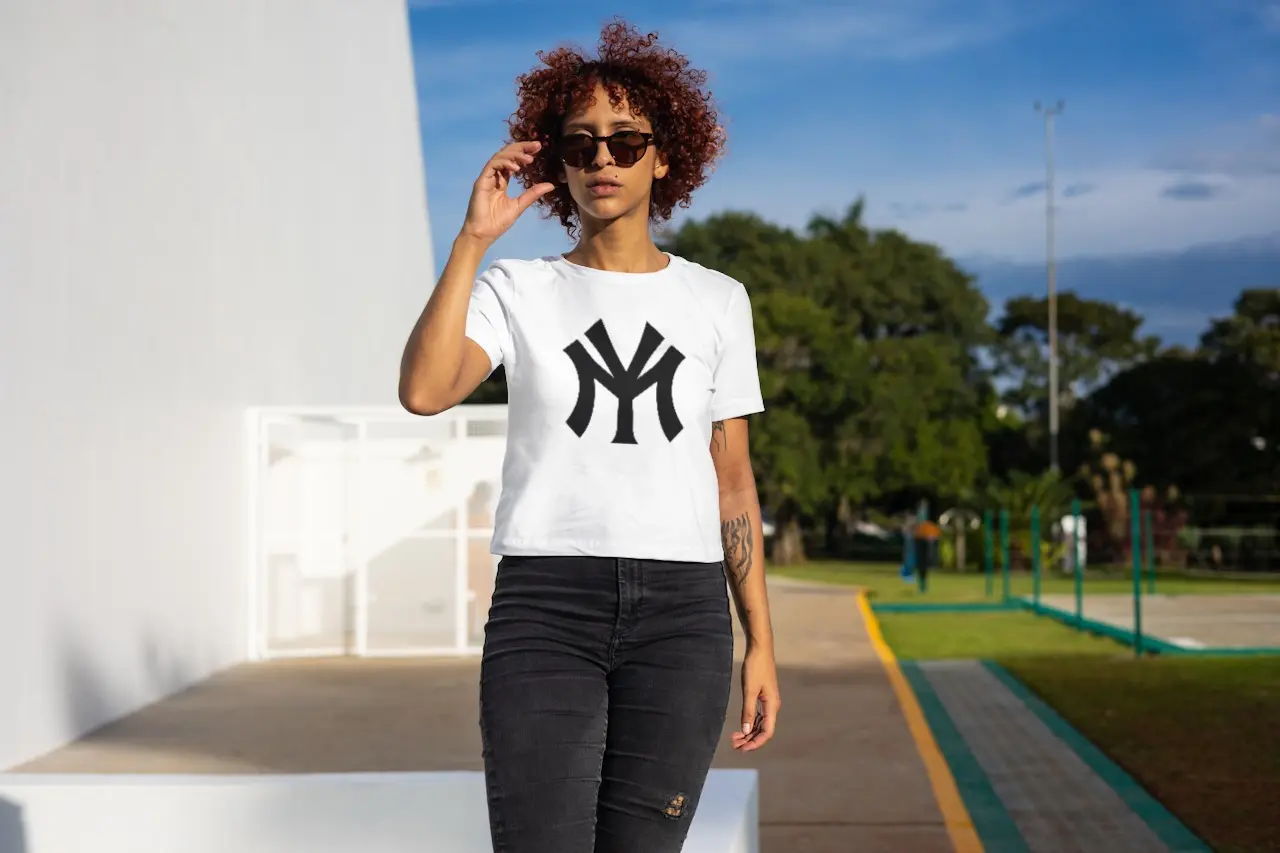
(614, 380)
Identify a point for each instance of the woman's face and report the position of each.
(609, 180)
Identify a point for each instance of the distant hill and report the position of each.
(1178, 292)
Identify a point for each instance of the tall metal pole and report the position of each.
(1135, 546)
(1075, 561)
(1049, 112)
(988, 563)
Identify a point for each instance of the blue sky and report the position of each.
(1170, 137)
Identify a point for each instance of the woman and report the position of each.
(628, 495)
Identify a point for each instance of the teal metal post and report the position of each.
(1035, 555)
(1135, 541)
(1076, 570)
(1004, 551)
(1147, 555)
(922, 514)
(987, 561)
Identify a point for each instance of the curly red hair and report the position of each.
(657, 82)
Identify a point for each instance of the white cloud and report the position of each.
(729, 39)
(1128, 211)
(903, 30)
(1241, 149)
(971, 214)
(476, 81)
(953, 189)
(1124, 213)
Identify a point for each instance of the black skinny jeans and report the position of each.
(604, 686)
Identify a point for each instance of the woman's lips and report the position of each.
(604, 189)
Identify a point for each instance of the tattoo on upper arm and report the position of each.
(719, 437)
(739, 546)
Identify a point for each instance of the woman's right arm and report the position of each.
(441, 366)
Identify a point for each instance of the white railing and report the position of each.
(370, 529)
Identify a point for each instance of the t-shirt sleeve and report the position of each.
(486, 319)
(737, 377)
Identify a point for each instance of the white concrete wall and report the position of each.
(203, 206)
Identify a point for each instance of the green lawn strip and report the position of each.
(939, 636)
(1200, 735)
(1160, 820)
(885, 585)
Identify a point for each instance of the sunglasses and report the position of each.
(626, 147)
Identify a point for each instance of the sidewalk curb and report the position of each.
(995, 825)
(959, 824)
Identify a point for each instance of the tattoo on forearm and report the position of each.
(718, 436)
(739, 547)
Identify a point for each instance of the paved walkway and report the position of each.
(1031, 783)
(844, 772)
(1191, 621)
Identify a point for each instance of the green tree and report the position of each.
(794, 336)
(1096, 340)
(1207, 422)
(1249, 341)
(866, 344)
(1251, 334)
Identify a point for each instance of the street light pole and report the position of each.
(1049, 112)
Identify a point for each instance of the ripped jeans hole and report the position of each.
(675, 807)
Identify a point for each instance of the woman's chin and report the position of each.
(604, 209)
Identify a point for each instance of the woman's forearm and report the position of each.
(433, 356)
(741, 531)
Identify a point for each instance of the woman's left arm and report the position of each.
(743, 538)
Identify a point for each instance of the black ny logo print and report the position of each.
(624, 383)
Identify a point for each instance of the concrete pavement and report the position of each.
(851, 768)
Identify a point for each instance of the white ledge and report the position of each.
(306, 813)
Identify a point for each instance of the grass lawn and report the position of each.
(1202, 735)
(883, 583)
(935, 636)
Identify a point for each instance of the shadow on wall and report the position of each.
(13, 834)
(94, 700)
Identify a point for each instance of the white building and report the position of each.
(204, 208)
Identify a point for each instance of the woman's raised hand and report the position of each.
(491, 210)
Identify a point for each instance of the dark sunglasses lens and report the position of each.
(577, 150)
(627, 147)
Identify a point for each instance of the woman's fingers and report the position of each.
(510, 159)
(768, 719)
(532, 194)
(491, 210)
(759, 719)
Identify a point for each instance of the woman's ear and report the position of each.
(660, 168)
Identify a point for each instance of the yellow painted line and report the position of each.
(964, 836)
